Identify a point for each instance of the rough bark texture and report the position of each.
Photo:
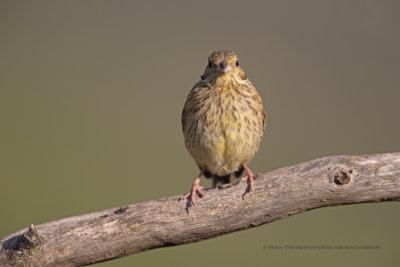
(113, 233)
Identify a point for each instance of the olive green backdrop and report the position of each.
(91, 94)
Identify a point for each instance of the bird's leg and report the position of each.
(196, 189)
(249, 177)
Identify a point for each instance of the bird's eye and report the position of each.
(237, 63)
(209, 64)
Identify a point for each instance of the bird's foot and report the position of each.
(197, 189)
(250, 177)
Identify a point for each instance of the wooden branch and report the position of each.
(114, 233)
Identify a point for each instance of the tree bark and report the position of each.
(113, 233)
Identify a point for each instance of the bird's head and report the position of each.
(223, 65)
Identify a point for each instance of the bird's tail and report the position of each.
(226, 179)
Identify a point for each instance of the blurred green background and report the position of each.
(91, 94)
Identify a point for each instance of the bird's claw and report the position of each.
(250, 177)
(196, 190)
(244, 179)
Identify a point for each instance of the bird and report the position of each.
(223, 122)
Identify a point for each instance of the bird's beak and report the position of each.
(223, 67)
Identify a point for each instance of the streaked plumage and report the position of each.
(223, 120)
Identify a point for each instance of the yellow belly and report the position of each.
(224, 148)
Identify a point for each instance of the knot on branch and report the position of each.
(28, 240)
(342, 177)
